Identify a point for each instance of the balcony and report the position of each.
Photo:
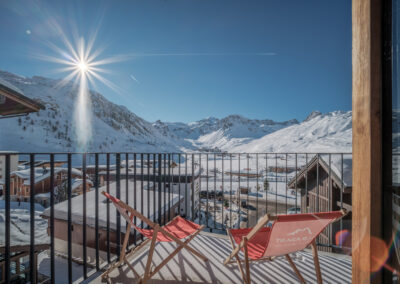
(76, 233)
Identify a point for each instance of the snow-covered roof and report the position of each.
(20, 224)
(10, 86)
(77, 182)
(336, 166)
(148, 200)
(42, 174)
(14, 102)
(335, 163)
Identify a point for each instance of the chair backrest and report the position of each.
(291, 233)
(124, 209)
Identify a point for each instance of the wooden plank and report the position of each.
(367, 157)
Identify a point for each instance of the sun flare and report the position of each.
(83, 66)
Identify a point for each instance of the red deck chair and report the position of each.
(288, 234)
(174, 231)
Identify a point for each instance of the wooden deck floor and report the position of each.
(185, 268)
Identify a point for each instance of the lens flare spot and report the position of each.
(342, 238)
(380, 254)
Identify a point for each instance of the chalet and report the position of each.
(146, 201)
(20, 183)
(324, 186)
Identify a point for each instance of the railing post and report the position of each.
(69, 195)
(52, 229)
(7, 252)
(108, 206)
(118, 220)
(84, 253)
(159, 188)
(32, 264)
(96, 183)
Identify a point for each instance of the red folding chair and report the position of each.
(174, 231)
(288, 234)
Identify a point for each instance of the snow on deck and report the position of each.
(186, 268)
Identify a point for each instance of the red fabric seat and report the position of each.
(179, 228)
(288, 234)
(257, 245)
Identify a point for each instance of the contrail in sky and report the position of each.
(134, 79)
(206, 54)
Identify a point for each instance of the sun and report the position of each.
(82, 66)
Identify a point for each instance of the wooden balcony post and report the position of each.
(367, 136)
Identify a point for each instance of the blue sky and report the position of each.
(187, 60)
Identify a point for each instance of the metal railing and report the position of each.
(219, 190)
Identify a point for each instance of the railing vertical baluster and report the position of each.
(215, 191)
(169, 187)
(186, 188)
(238, 194)
(127, 193)
(306, 186)
(266, 189)
(329, 195)
(148, 185)
(108, 207)
(154, 188)
(159, 187)
(199, 188)
(7, 252)
(192, 183)
(317, 205)
(84, 252)
(134, 194)
(222, 190)
(52, 229)
(69, 194)
(165, 189)
(286, 181)
(96, 182)
(295, 184)
(179, 184)
(207, 194)
(257, 186)
(276, 183)
(341, 192)
(230, 189)
(118, 220)
(32, 264)
(141, 191)
(248, 187)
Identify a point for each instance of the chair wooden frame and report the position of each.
(243, 245)
(149, 271)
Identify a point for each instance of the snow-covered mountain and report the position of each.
(331, 132)
(214, 133)
(115, 128)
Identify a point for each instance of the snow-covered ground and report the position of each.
(20, 224)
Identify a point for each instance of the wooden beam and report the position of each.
(367, 152)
